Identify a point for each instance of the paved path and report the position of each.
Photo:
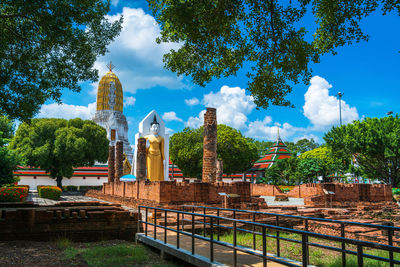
(292, 201)
(222, 254)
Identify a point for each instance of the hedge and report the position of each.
(13, 194)
(50, 192)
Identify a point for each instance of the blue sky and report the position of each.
(368, 73)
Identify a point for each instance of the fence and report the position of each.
(212, 223)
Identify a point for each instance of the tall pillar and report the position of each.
(220, 170)
(111, 163)
(141, 160)
(119, 164)
(210, 146)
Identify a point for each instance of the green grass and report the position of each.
(118, 255)
(318, 256)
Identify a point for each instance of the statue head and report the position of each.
(154, 126)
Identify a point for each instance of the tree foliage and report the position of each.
(375, 145)
(322, 162)
(47, 46)
(219, 36)
(237, 152)
(9, 160)
(295, 148)
(282, 172)
(57, 145)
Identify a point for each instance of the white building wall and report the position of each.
(77, 181)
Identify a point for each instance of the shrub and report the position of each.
(13, 194)
(70, 188)
(50, 192)
(396, 191)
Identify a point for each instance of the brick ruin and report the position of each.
(78, 221)
(210, 146)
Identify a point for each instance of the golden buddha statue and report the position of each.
(155, 153)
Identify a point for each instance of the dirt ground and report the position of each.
(50, 254)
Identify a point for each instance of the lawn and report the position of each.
(318, 256)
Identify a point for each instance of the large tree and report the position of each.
(374, 143)
(282, 172)
(47, 46)
(237, 152)
(57, 145)
(219, 36)
(321, 161)
(9, 160)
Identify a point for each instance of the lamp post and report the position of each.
(340, 94)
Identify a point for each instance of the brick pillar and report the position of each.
(119, 164)
(141, 160)
(111, 163)
(210, 146)
(220, 169)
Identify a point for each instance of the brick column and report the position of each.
(111, 163)
(119, 164)
(220, 169)
(141, 160)
(210, 146)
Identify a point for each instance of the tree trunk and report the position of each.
(59, 181)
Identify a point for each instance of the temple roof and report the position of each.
(276, 152)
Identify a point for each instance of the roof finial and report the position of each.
(110, 66)
(278, 133)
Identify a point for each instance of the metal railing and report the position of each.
(214, 224)
(389, 229)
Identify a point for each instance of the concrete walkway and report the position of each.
(292, 201)
(222, 254)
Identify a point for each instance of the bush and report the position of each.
(50, 192)
(70, 188)
(396, 191)
(13, 194)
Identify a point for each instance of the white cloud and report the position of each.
(307, 136)
(169, 130)
(129, 101)
(322, 109)
(265, 130)
(170, 116)
(192, 102)
(136, 55)
(196, 122)
(114, 2)
(67, 111)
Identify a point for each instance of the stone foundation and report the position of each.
(313, 194)
(177, 192)
(78, 221)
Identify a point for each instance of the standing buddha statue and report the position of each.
(155, 153)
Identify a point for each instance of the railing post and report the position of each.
(211, 239)
(264, 246)
(165, 227)
(342, 234)
(218, 230)
(139, 220)
(192, 233)
(278, 246)
(177, 233)
(204, 222)
(304, 249)
(307, 247)
(360, 259)
(390, 242)
(155, 223)
(145, 231)
(234, 245)
(254, 232)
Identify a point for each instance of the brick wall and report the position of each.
(305, 190)
(264, 190)
(177, 192)
(89, 223)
